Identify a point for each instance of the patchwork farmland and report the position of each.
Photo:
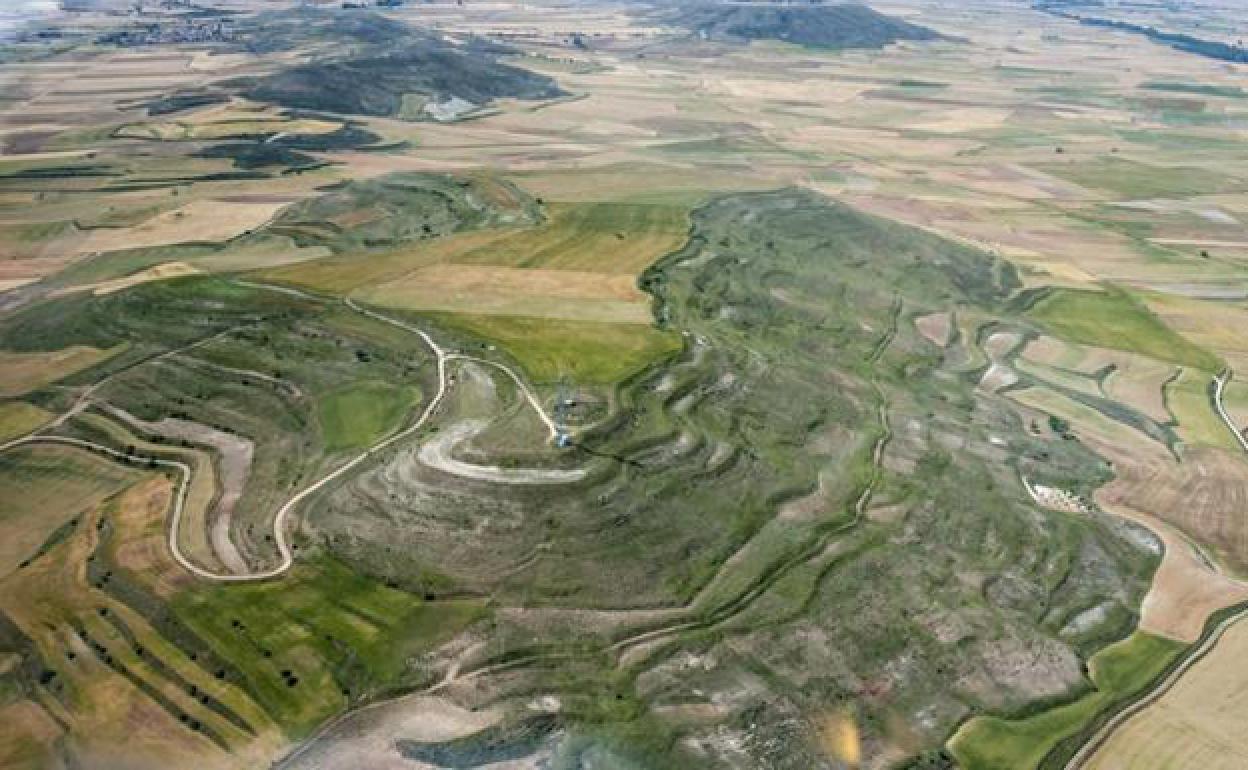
(439, 385)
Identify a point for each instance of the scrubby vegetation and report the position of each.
(377, 85)
(816, 25)
(185, 100)
(390, 62)
(367, 215)
(798, 369)
(259, 154)
(1213, 49)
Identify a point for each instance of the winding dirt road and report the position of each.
(290, 506)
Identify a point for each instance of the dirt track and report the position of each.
(437, 453)
(290, 506)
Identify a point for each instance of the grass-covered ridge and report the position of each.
(384, 66)
(816, 25)
(744, 475)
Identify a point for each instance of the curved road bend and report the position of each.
(1090, 748)
(288, 508)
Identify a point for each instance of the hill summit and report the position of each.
(819, 26)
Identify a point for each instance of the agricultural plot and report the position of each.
(615, 238)
(1088, 421)
(1116, 673)
(49, 488)
(1113, 319)
(1188, 588)
(1201, 496)
(199, 674)
(788, 528)
(205, 221)
(1213, 325)
(1136, 180)
(560, 297)
(550, 350)
(569, 295)
(1190, 398)
(22, 373)
(1195, 722)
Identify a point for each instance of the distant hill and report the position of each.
(380, 67)
(819, 26)
(380, 84)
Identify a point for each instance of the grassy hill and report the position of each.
(819, 26)
(376, 84)
(379, 65)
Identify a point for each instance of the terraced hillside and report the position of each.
(811, 467)
(547, 385)
(768, 505)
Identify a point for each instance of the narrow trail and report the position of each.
(288, 508)
(1089, 749)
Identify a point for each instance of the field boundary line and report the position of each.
(1090, 748)
(1086, 752)
(1219, 385)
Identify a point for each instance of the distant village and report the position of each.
(194, 25)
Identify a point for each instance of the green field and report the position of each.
(342, 635)
(1133, 179)
(598, 237)
(1115, 319)
(1118, 673)
(17, 418)
(1188, 399)
(582, 351)
(361, 413)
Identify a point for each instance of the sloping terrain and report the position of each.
(378, 84)
(532, 440)
(387, 69)
(815, 25)
(810, 505)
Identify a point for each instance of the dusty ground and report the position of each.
(367, 737)
(936, 327)
(1186, 588)
(438, 453)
